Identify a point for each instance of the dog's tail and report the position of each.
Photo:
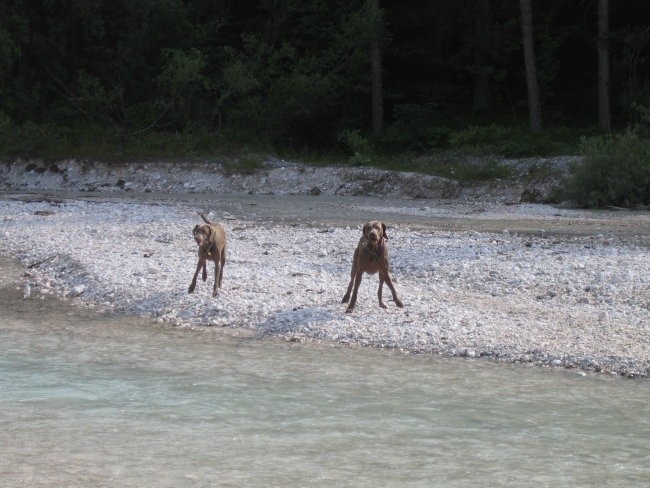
(205, 219)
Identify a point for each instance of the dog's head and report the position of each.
(202, 234)
(374, 232)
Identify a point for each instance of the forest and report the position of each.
(509, 77)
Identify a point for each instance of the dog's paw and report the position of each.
(399, 303)
(190, 289)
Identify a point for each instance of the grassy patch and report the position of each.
(516, 142)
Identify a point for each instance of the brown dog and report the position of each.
(211, 239)
(371, 256)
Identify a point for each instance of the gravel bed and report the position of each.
(579, 302)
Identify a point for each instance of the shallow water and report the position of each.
(93, 400)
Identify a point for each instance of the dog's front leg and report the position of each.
(201, 264)
(217, 273)
(353, 273)
(204, 275)
(353, 299)
(223, 263)
(346, 297)
(389, 282)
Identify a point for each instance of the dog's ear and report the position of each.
(383, 229)
(195, 231)
(366, 229)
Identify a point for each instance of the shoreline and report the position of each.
(572, 300)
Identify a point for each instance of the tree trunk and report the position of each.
(483, 29)
(604, 117)
(376, 70)
(534, 108)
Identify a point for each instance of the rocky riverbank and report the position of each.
(578, 300)
(531, 180)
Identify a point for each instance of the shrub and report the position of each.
(615, 171)
(514, 142)
(479, 136)
(416, 127)
(362, 151)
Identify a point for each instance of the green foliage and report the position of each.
(440, 163)
(459, 166)
(96, 102)
(6, 123)
(298, 92)
(634, 90)
(362, 151)
(9, 54)
(515, 141)
(95, 141)
(415, 128)
(29, 139)
(615, 171)
(479, 136)
(183, 85)
(187, 77)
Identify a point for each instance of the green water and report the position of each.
(89, 400)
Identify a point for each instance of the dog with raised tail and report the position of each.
(211, 239)
(371, 256)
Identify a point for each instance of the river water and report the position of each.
(91, 400)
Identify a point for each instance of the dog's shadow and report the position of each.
(293, 322)
(297, 321)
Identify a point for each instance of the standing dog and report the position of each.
(211, 239)
(371, 256)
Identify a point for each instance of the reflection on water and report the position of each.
(94, 401)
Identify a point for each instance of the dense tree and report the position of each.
(604, 118)
(534, 108)
(302, 73)
(482, 50)
(375, 68)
